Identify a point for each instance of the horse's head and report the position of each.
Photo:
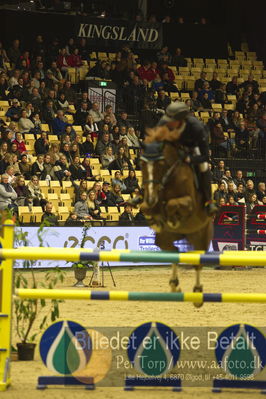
(153, 170)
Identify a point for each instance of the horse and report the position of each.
(172, 202)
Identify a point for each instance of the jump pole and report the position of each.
(227, 258)
(141, 296)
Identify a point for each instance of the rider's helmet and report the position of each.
(175, 111)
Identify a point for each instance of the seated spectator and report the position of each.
(14, 149)
(250, 189)
(124, 146)
(200, 82)
(220, 192)
(49, 113)
(25, 167)
(84, 99)
(74, 150)
(87, 166)
(38, 167)
(59, 123)
(94, 209)
(206, 89)
(239, 178)
(164, 55)
(35, 192)
(123, 120)
(81, 207)
(41, 145)
(8, 195)
(96, 113)
(109, 198)
(231, 191)
(3, 149)
(264, 200)
(107, 158)
(109, 112)
(10, 172)
(251, 82)
(62, 104)
(222, 202)
(25, 124)
(163, 100)
(165, 69)
(232, 86)
(132, 139)
(218, 137)
(235, 120)
(55, 73)
(195, 102)
(90, 126)
(178, 59)
(131, 182)
(54, 153)
(227, 178)
(157, 83)
(261, 124)
(63, 62)
(23, 194)
(215, 83)
(117, 180)
(205, 102)
(48, 168)
(87, 146)
(102, 144)
(103, 129)
(225, 121)
(252, 201)
(13, 113)
(80, 117)
(61, 169)
(48, 217)
(261, 191)
(241, 193)
(65, 150)
(121, 161)
(20, 143)
(242, 137)
(116, 195)
(78, 172)
(126, 218)
(144, 71)
(75, 59)
(99, 194)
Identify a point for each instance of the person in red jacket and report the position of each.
(165, 69)
(75, 59)
(144, 71)
(154, 71)
(63, 61)
(20, 143)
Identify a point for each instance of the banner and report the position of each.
(256, 241)
(112, 33)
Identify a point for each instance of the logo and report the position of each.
(241, 351)
(153, 349)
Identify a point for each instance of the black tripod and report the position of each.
(102, 265)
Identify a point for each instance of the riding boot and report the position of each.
(205, 182)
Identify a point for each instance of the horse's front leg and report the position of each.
(165, 240)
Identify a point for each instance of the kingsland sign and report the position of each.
(121, 33)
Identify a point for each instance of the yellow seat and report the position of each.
(232, 98)
(44, 186)
(55, 187)
(63, 213)
(229, 107)
(67, 187)
(37, 213)
(217, 107)
(53, 198)
(65, 200)
(113, 210)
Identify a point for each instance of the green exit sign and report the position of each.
(103, 84)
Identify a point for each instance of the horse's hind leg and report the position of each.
(201, 241)
(165, 242)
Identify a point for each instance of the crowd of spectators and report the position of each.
(37, 86)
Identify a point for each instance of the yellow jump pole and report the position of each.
(6, 286)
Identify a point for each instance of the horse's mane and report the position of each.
(161, 133)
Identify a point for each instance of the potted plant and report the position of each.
(26, 311)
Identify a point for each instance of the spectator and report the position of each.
(99, 194)
(250, 190)
(41, 145)
(116, 195)
(35, 192)
(123, 121)
(38, 167)
(13, 113)
(25, 167)
(20, 143)
(25, 124)
(59, 123)
(126, 218)
(163, 55)
(218, 138)
(144, 71)
(178, 59)
(90, 126)
(231, 191)
(49, 113)
(87, 166)
(242, 137)
(205, 102)
(48, 217)
(87, 146)
(8, 195)
(95, 113)
(239, 178)
(23, 195)
(48, 168)
(109, 198)
(81, 115)
(163, 100)
(240, 193)
(14, 52)
(81, 207)
(62, 104)
(10, 172)
(200, 82)
(109, 112)
(102, 144)
(232, 86)
(222, 202)
(196, 104)
(227, 178)
(131, 182)
(84, 99)
(252, 201)
(72, 220)
(61, 169)
(121, 162)
(94, 209)
(220, 193)
(261, 191)
(54, 153)
(107, 158)
(215, 83)
(117, 180)
(165, 70)
(251, 82)
(78, 171)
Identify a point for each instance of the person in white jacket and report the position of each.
(24, 123)
(132, 138)
(7, 194)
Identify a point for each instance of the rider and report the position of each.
(193, 136)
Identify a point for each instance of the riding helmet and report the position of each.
(176, 111)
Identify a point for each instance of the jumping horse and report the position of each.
(172, 202)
